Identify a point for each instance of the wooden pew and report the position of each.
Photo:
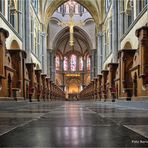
(44, 87)
(99, 86)
(111, 80)
(31, 73)
(104, 82)
(39, 90)
(6, 69)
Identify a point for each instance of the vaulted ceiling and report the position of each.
(49, 6)
(81, 45)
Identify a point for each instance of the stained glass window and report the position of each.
(73, 62)
(88, 62)
(65, 63)
(80, 63)
(57, 63)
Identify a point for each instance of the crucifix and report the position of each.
(71, 23)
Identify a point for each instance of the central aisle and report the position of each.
(70, 124)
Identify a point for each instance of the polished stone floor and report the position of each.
(79, 124)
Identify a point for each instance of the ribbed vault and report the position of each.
(82, 42)
(49, 6)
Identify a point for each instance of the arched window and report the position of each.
(73, 62)
(57, 61)
(88, 62)
(65, 63)
(81, 10)
(81, 64)
(62, 9)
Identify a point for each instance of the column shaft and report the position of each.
(27, 38)
(44, 54)
(115, 30)
(99, 53)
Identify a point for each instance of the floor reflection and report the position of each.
(71, 124)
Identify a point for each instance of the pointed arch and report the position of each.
(88, 4)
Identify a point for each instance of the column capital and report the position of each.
(100, 33)
(44, 34)
(50, 50)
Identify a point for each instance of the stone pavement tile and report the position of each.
(71, 124)
(20, 115)
(71, 137)
(12, 121)
(8, 124)
(137, 105)
(129, 120)
(74, 121)
(124, 114)
(140, 129)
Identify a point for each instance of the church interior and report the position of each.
(77, 54)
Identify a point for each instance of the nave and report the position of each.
(73, 124)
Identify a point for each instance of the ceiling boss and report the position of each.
(71, 22)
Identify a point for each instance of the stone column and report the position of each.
(52, 65)
(103, 47)
(121, 18)
(115, 30)
(91, 66)
(92, 63)
(99, 53)
(27, 32)
(110, 35)
(48, 62)
(3, 4)
(83, 81)
(23, 26)
(54, 68)
(95, 62)
(62, 66)
(20, 18)
(44, 54)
